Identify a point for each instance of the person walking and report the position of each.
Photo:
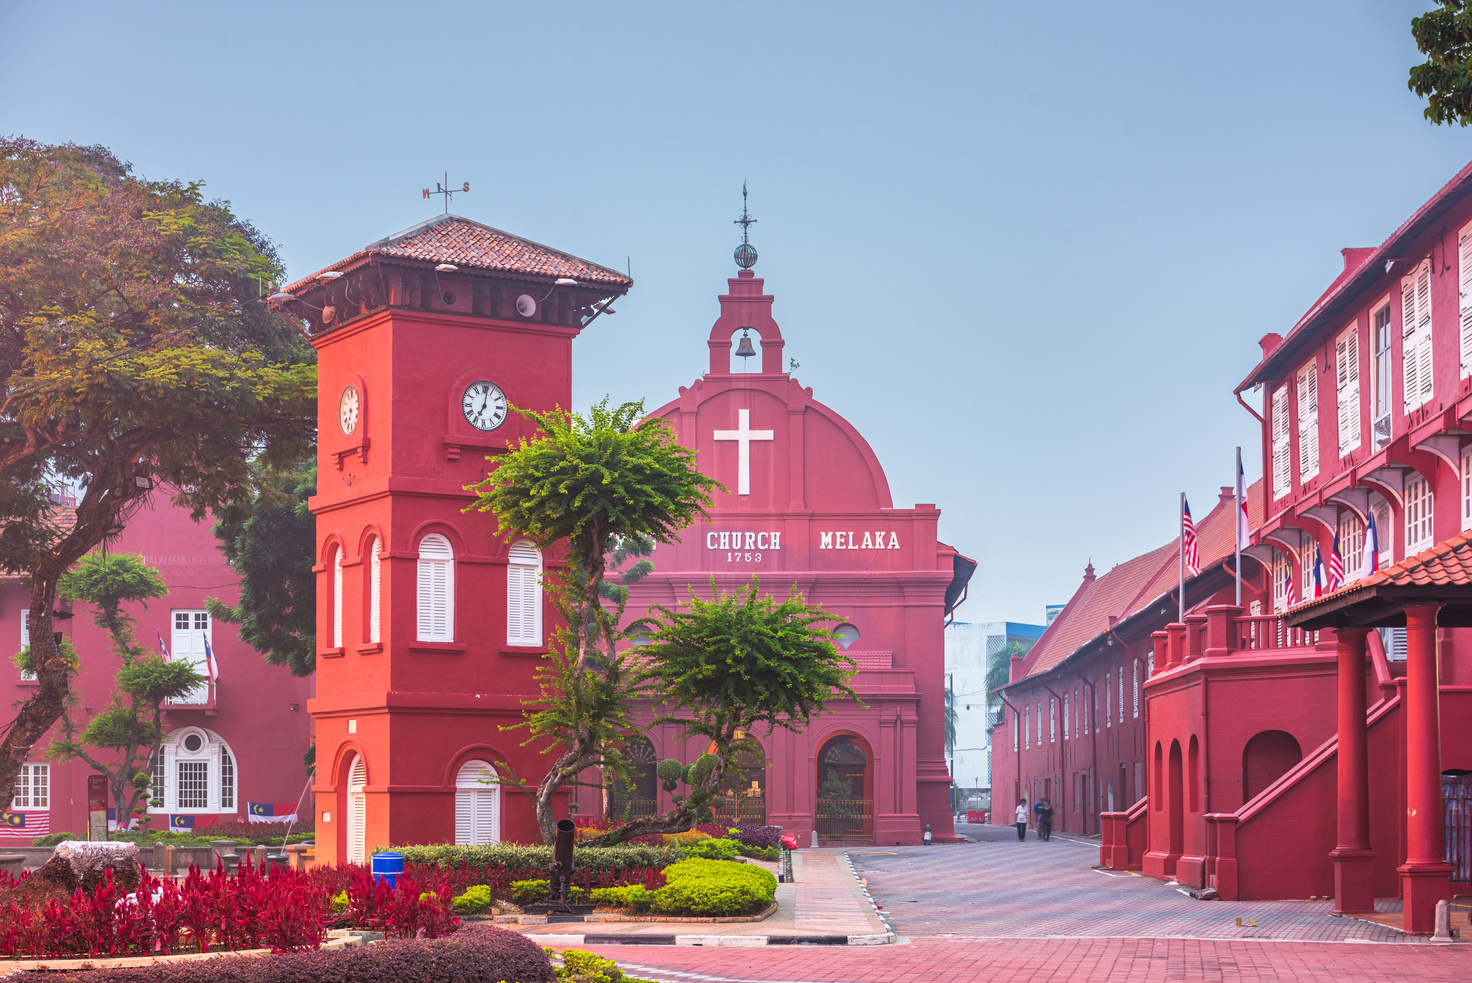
(1045, 820)
(1021, 819)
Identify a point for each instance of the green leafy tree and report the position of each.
(593, 483)
(724, 667)
(1444, 35)
(998, 668)
(270, 544)
(130, 728)
(133, 352)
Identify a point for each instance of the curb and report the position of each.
(890, 935)
(725, 941)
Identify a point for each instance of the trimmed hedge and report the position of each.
(531, 862)
(713, 849)
(698, 887)
(479, 955)
(476, 899)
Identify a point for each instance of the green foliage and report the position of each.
(770, 854)
(475, 900)
(134, 353)
(714, 849)
(998, 671)
(108, 580)
(634, 896)
(529, 892)
(340, 901)
(1444, 35)
(578, 966)
(51, 839)
(270, 544)
(66, 651)
(531, 861)
(669, 771)
(714, 888)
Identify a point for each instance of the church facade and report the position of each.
(807, 507)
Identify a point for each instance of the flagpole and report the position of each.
(1181, 521)
(1237, 524)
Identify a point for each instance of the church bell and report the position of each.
(744, 350)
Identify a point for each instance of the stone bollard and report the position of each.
(294, 853)
(1443, 922)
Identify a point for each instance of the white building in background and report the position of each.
(969, 646)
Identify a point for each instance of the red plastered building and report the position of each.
(431, 624)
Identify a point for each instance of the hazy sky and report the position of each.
(1026, 248)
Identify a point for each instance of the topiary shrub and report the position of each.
(714, 849)
(770, 854)
(524, 893)
(714, 888)
(475, 900)
(634, 896)
(478, 955)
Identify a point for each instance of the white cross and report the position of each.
(743, 435)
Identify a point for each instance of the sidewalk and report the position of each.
(825, 906)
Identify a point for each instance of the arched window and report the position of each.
(357, 817)
(375, 591)
(193, 771)
(337, 598)
(524, 595)
(477, 805)
(436, 589)
(847, 635)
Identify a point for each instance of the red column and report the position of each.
(1354, 888)
(1425, 877)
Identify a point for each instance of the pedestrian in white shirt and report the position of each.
(1021, 819)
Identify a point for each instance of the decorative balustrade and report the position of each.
(1261, 632)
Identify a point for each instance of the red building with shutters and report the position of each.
(238, 739)
(808, 506)
(1322, 746)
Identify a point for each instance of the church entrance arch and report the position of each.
(1265, 759)
(745, 803)
(845, 800)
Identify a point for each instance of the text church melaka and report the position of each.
(432, 626)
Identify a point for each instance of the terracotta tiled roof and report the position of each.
(1134, 584)
(459, 241)
(1447, 564)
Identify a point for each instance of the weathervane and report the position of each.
(745, 253)
(444, 189)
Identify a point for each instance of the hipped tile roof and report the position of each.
(1135, 584)
(463, 243)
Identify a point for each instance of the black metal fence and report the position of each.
(845, 819)
(1456, 799)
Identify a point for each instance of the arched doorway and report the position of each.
(357, 812)
(635, 795)
(1265, 759)
(477, 804)
(1176, 808)
(745, 801)
(845, 799)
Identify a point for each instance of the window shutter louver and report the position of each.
(1410, 384)
(375, 594)
(337, 599)
(1464, 293)
(1308, 422)
(436, 592)
(1347, 376)
(1281, 444)
(464, 818)
(523, 595)
(357, 811)
(475, 805)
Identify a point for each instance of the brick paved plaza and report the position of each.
(997, 909)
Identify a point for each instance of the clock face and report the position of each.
(347, 410)
(484, 405)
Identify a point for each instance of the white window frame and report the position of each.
(1384, 528)
(186, 643)
(357, 812)
(222, 773)
(1465, 463)
(1282, 569)
(375, 591)
(1040, 723)
(1121, 694)
(1464, 298)
(1015, 730)
(1382, 370)
(436, 572)
(25, 642)
(1108, 699)
(1351, 543)
(1420, 514)
(337, 596)
(524, 594)
(1136, 699)
(1052, 720)
(1066, 734)
(1418, 379)
(1282, 444)
(1306, 385)
(32, 788)
(472, 797)
(1347, 388)
(1027, 727)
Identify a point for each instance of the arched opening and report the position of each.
(745, 800)
(746, 357)
(1265, 759)
(436, 601)
(337, 597)
(1193, 774)
(355, 818)
(847, 635)
(477, 804)
(373, 592)
(1176, 809)
(845, 800)
(193, 771)
(1159, 793)
(635, 795)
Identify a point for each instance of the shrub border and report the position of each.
(337, 938)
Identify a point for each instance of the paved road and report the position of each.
(999, 910)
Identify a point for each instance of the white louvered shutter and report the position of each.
(1282, 446)
(1410, 382)
(375, 593)
(1464, 293)
(357, 812)
(464, 817)
(524, 595)
(1347, 379)
(475, 805)
(1308, 421)
(1423, 334)
(436, 595)
(337, 598)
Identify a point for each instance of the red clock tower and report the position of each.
(430, 624)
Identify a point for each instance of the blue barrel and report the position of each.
(388, 867)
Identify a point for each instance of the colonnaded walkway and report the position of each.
(997, 909)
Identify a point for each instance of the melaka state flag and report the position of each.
(1371, 561)
(1318, 573)
(270, 812)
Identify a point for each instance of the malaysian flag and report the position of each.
(1290, 593)
(1336, 565)
(24, 825)
(1188, 540)
(1371, 561)
(162, 648)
